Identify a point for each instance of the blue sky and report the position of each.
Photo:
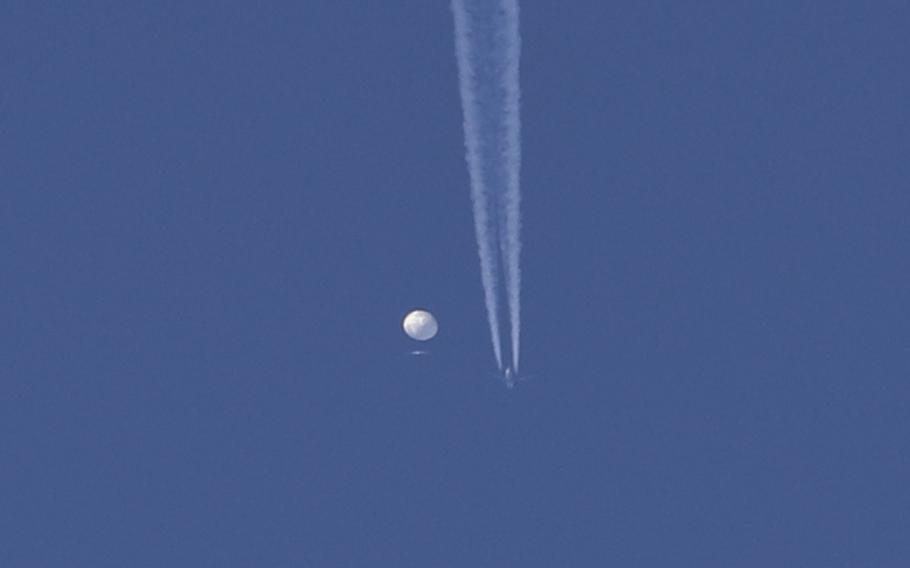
(215, 215)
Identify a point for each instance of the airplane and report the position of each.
(512, 378)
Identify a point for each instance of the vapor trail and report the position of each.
(512, 155)
(487, 49)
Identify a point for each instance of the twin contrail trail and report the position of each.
(487, 46)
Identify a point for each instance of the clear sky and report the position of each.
(215, 214)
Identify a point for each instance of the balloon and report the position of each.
(420, 325)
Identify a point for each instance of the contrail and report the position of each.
(487, 49)
(512, 155)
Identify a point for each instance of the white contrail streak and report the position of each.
(512, 155)
(484, 223)
(487, 49)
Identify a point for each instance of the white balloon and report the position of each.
(420, 325)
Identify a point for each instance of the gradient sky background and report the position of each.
(215, 214)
